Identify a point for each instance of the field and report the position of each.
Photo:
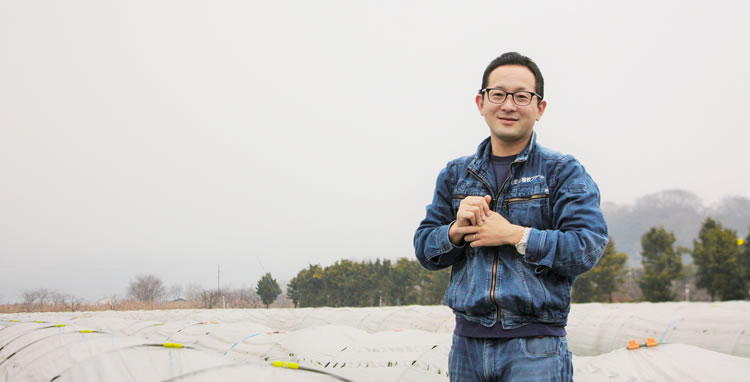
(697, 342)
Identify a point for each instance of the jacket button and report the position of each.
(532, 258)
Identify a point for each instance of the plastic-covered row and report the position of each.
(358, 344)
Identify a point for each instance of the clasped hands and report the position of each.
(479, 226)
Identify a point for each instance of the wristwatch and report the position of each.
(521, 245)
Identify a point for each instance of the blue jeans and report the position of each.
(530, 359)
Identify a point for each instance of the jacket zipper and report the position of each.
(525, 198)
(497, 253)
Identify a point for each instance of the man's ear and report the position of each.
(480, 103)
(542, 106)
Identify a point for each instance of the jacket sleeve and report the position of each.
(432, 245)
(579, 234)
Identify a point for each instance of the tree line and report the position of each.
(148, 291)
(149, 288)
(720, 267)
(368, 283)
(679, 211)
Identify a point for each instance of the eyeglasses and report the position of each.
(520, 98)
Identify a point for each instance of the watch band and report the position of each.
(521, 245)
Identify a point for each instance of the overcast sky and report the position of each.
(168, 137)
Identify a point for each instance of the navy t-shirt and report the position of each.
(466, 328)
(501, 165)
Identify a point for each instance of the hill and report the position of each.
(678, 211)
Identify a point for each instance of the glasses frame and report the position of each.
(511, 94)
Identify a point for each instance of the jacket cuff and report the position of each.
(445, 250)
(535, 248)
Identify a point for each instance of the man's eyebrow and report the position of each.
(520, 88)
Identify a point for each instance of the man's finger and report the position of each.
(471, 212)
(467, 216)
(475, 243)
(466, 230)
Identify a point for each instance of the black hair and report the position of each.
(515, 58)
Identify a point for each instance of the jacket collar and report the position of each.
(481, 163)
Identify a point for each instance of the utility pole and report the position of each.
(218, 285)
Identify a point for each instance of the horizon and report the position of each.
(284, 279)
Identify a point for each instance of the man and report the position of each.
(518, 223)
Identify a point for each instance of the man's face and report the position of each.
(509, 123)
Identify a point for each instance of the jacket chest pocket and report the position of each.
(457, 198)
(529, 206)
(456, 202)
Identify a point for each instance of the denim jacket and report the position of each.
(547, 191)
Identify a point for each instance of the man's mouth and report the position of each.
(509, 119)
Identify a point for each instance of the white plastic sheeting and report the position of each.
(666, 362)
(359, 344)
(599, 328)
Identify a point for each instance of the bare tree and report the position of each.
(64, 301)
(249, 297)
(36, 298)
(42, 298)
(112, 302)
(29, 298)
(193, 292)
(73, 303)
(209, 298)
(175, 291)
(57, 298)
(146, 288)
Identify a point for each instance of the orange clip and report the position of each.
(651, 342)
(632, 344)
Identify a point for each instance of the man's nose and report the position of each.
(508, 105)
